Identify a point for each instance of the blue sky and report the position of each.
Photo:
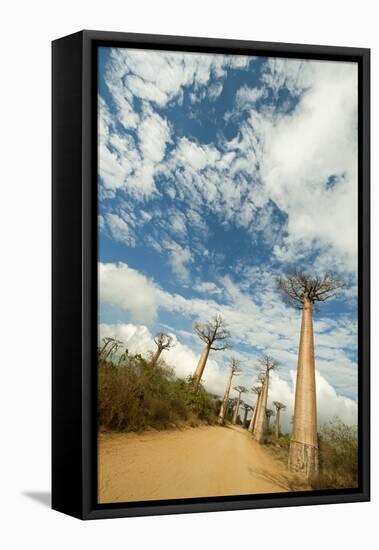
(217, 173)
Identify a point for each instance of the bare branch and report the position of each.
(235, 366)
(279, 406)
(297, 288)
(264, 365)
(212, 332)
(164, 341)
(240, 389)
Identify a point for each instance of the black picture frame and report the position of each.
(74, 315)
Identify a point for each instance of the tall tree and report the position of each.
(269, 414)
(257, 390)
(215, 335)
(231, 404)
(306, 293)
(247, 408)
(234, 371)
(163, 341)
(240, 390)
(279, 407)
(265, 365)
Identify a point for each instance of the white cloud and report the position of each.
(208, 287)
(293, 74)
(160, 76)
(248, 96)
(178, 259)
(130, 163)
(120, 230)
(126, 288)
(154, 134)
(214, 90)
(303, 149)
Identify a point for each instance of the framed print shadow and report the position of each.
(210, 275)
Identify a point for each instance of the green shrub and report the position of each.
(338, 456)
(134, 395)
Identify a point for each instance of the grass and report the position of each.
(338, 455)
(338, 467)
(135, 396)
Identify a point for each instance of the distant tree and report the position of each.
(306, 293)
(234, 371)
(265, 365)
(279, 407)
(240, 390)
(269, 414)
(110, 346)
(257, 390)
(163, 341)
(123, 357)
(215, 335)
(247, 408)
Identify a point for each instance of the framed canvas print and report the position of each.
(210, 274)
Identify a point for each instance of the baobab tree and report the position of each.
(257, 390)
(247, 408)
(240, 390)
(110, 346)
(231, 404)
(306, 293)
(234, 371)
(123, 357)
(279, 407)
(163, 341)
(269, 414)
(214, 334)
(106, 341)
(265, 364)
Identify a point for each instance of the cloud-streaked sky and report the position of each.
(217, 173)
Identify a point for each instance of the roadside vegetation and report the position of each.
(338, 455)
(338, 468)
(135, 394)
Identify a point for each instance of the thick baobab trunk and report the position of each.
(224, 404)
(156, 356)
(303, 454)
(277, 424)
(261, 419)
(235, 415)
(254, 415)
(201, 365)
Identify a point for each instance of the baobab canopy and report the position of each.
(214, 332)
(298, 286)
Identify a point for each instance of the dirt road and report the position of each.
(205, 461)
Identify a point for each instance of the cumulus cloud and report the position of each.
(127, 289)
(309, 161)
(119, 229)
(248, 96)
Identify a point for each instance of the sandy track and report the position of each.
(205, 461)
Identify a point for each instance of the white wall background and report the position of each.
(27, 29)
